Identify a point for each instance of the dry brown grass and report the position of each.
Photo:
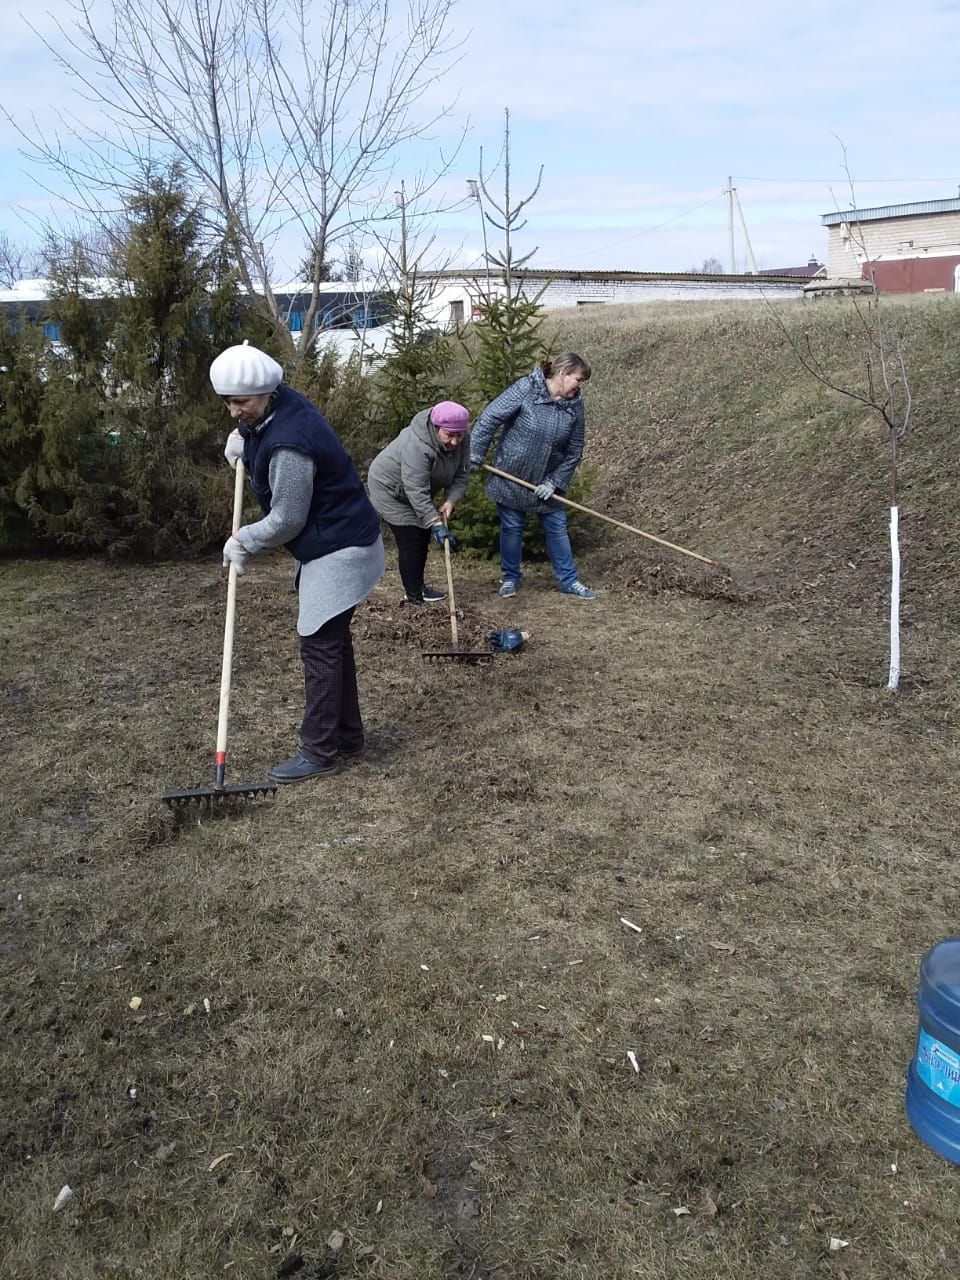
(421, 994)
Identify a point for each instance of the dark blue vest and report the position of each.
(341, 514)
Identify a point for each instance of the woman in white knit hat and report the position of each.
(315, 505)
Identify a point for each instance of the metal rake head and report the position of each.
(212, 796)
(476, 657)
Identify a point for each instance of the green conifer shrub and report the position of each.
(128, 448)
(22, 347)
(343, 391)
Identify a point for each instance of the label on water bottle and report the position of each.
(938, 1066)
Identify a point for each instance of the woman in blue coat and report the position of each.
(540, 420)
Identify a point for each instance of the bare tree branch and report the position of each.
(281, 114)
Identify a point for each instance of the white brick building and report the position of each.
(910, 248)
(458, 296)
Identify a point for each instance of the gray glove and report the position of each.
(474, 465)
(233, 449)
(235, 553)
(545, 490)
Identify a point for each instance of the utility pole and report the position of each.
(404, 302)
(401, 197)
(473, 187)
(733, 254)
(746, 234)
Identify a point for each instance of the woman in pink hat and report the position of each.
(430, 455)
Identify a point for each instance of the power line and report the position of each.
(635, 235)
(739, 177)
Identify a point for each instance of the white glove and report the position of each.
(235, 553)
(545, 491)
(233, 449)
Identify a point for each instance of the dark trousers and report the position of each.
(331, 717)
(412, 545)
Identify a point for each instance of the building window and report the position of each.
(591, 302)
(456, 312)
(296, 321)
(51, 330)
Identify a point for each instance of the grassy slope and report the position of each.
(708, 432)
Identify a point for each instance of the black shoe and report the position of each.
(299, 768)
(413, 602)
(432, 596)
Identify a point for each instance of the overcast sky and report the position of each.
(638, 112)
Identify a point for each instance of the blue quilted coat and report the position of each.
(540, 439)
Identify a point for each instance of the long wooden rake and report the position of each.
(651, 537)
(221, 789)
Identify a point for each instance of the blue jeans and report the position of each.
(558, 544)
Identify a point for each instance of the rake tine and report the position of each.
(207, 797)
(475, 657)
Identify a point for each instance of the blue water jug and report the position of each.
(507, 641)
(933, 1081)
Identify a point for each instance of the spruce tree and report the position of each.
(414, 374)
(179, 308)
(507, 341)
(504, 344)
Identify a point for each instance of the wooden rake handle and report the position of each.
(450, 596)
(223, 714)
(567, 502)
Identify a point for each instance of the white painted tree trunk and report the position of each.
(894, 680)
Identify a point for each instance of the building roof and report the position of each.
(550, 273)
(813, 268)
(890, 211)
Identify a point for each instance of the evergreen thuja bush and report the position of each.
(343, 391)
(21, 399)
(127, 457)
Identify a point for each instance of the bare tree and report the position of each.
(89, 251)
(285, 115)
(885, 393)
(709, 267)
(16, 261)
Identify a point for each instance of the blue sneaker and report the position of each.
(508, 588)
(578, 589)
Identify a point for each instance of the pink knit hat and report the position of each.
(451, 416)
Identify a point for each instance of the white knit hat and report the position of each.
(245, 371)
